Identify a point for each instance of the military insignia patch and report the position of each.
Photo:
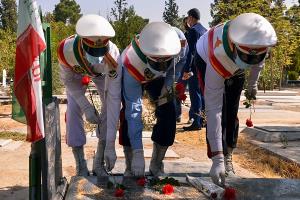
(253, 52)
(149, 75)
(113, 74)
(78, 69)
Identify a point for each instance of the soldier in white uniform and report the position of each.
(91, 53)
(242, 43)
(151, 62)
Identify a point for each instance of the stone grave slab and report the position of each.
(274, 133)
(263, 188)
(96, 188)
(290, 152)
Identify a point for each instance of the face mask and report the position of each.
(92, 59)
(97, 65)
(241, 64)
(159, 66)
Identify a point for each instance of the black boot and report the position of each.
(192, 127)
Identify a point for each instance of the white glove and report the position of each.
(217, 170)
(138, 163)
(110, 156)
(92, 115)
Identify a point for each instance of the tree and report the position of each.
(59, 31)
(48, 17)
(281, 56)
(223, 10)
(294, 16)
(127, 28)
(118, 12)
(170, 14)
(7, 51)
(8, 14)
(67, 10)
(127, 23)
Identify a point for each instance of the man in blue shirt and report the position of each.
(196, 95)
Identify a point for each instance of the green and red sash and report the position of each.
(219, 52)
(136, 63)
(75, 59)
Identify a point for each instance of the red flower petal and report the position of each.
(249, 123)
(180, 88)
(229, 194)
(141, 181)
(119, 193)
(168, 189)
(85, 80)
(182, 97)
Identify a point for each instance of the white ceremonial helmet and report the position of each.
(252, 30)
(94, 26)
(159, 39)
(160, 43)
(252, 36)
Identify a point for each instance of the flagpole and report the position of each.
(27, 86)
(35, 172)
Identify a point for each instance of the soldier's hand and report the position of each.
(187, 75)
(217, 171)
(250, 93)
(110, 156)
(138, 163)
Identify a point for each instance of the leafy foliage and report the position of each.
(7, 51)
(128, 26)
(293, 75)
(59, 31)
(8, 14)
(67, 10)
(293, 15)
(118, 12)
(170, 14)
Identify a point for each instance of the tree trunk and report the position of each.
(272, 76)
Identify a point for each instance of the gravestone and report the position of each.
(274, 133)
(56, 183)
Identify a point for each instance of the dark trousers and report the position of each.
(165, 128)
(196, 97)
(231, 99)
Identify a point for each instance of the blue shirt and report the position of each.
(193, 34)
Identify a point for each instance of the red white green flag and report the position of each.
(27, 84)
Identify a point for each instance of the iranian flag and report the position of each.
(27, 83)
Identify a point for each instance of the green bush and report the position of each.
(293, 75)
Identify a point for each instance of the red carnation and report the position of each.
(180, 87)
(229, 194)
(119, 193)
(182, 97)
(249, 123)
(141, 182)
(85, 80)
(168, 189)
(180, 91)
